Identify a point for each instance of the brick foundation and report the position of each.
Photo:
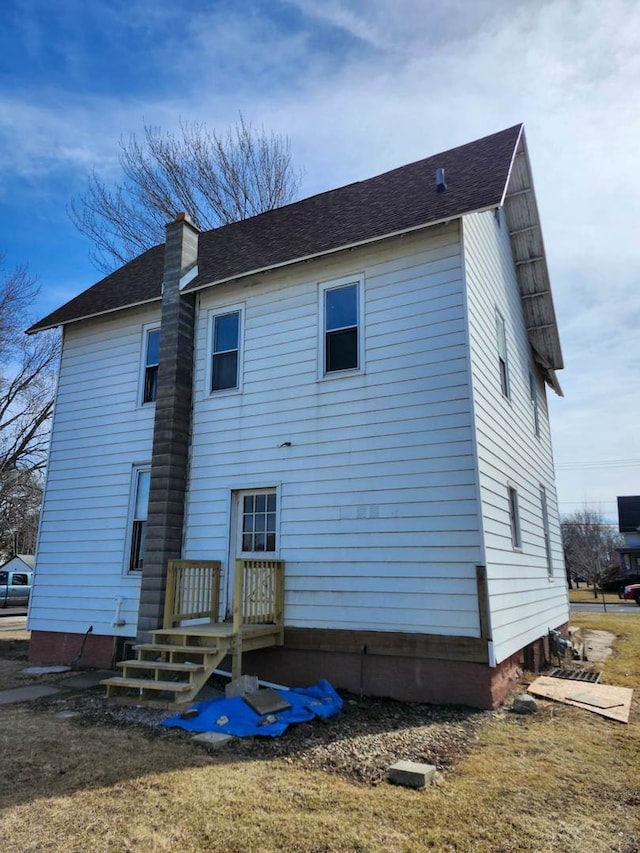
(53, 647)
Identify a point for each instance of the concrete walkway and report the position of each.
(81, 681)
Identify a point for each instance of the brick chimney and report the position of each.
(172, 425)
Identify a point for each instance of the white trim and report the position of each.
(146, 328)
(334, 284)
(188, 277)
(212, 313)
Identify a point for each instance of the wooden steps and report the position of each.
(170, 671)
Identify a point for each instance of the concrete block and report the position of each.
(241, 686)
(523, 703)
(411, 774)
(214, 740)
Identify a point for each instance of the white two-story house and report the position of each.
(353, 386)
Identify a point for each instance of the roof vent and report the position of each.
(441, 184)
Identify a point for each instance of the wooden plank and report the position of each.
(483, 601)
(392, 643)
(616, 700)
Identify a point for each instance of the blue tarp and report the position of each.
(235, 717)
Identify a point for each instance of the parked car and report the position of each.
(632, 592)
(15, 588)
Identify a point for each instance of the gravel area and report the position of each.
(358, 744)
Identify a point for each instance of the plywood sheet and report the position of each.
(604, 699)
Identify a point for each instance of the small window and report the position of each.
(19, 580)
(533, 393)
(225, 351)
(141, 484)
(152, 358)
(259, 522)
(342, 327)
(503, 365)
(514, 518)
(545, 529)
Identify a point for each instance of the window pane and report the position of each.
(271, 521)
(342, 350)
(142, 494)
(261, 521)
(225, 371)
(271, 503)
(247, 523)
(4, 577)
(153, 347)
(341, 307)
(248, 503)
(138, 541)
(226, 332)
(247, 542)
(271, 541)
(259, 543)
(150, 384)
(261, 503)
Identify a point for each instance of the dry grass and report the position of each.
(560, 781)
(578, 596)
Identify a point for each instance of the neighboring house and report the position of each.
(629, 527)
(353, 384)
(19, 563)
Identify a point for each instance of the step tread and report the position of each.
(195, 650)
(187, 666)
(147, 684)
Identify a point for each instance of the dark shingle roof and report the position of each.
(405, 198)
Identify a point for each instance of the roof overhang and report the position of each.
(523, 222)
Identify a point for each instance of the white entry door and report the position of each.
(254, 530)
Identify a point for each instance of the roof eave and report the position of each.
(334, 250)
(527, 245)
(44, 327)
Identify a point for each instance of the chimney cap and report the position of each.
(183, 217)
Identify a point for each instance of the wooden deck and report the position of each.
(171, 670)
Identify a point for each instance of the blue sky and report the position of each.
(361, 86)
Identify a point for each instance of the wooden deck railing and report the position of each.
(259, 593)
(193, 591)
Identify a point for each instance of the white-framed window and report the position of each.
(225, 349)
(138, 511)
(535, 404)
(258, 516)
(514, 518)
(545, 530)
(342, 338)
(150, 361)
(503, 363)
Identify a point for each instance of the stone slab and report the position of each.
(241, 686)
(26, 694)
(213, 740)
(45, 670)
(411, 774)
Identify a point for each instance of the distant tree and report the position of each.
(216, 178)
(27, 372)
(589, 546)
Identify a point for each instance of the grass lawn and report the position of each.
(579, 595)
(559, 781)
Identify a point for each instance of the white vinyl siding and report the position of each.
(378, 513)
(523, 604)
(99, 432)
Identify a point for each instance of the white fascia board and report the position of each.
(97, 314)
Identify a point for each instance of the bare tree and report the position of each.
(216, 178)
(589, 546)
(27, 368)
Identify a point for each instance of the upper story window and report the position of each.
(342, 325)
(503, 364)
(139, 511)
(151, 361)
(514, 518)
(535, 406)
(226, 335)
